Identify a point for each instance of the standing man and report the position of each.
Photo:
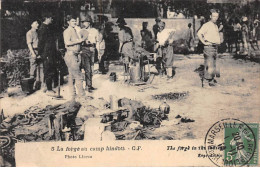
(125, 37)
(190, 37)
(32, 42)
(72, 44)
(164, 62)
(103, 51)
(91, 45)
(209, 36)
(245, 35)
(147, 38)
(238, 34)
(47, 51)
(156, 27)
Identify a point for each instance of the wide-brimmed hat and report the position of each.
(85, 18)
(121, 21)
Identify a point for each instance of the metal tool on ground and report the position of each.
(59, 96)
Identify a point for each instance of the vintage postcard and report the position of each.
(116, 83)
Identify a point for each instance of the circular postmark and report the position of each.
(230, 142)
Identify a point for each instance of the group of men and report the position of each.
(162, 45)
(83, 43)
(43, 58)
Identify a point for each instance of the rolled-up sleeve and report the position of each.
(202, 30)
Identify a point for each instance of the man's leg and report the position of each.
(216, 65)
(49, 73)
(48, 80)
(245, 46)
(88, 71)
(169, 61)
(159, 65)
(84, 64)
(208, 63)
(73, 68)
(55, 78)
(72, 90)
(79, 84)
(33, 66)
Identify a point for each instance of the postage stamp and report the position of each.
(239, 142)
(231, 142)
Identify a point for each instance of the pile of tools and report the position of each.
(37, 124)
(132, 119)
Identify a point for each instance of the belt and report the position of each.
(74, 52)
(214, 46)
(131, 40)
(89, 45)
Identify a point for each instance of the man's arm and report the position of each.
(192, 34)
(42, 40)
(121, 40)
(201, 33)
(99, 39)
(100, 45)
(67, 39)
(29, 44)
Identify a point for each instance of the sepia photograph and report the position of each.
(129, 83)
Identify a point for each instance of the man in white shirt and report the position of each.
(165, 39)
(92, 45)
(209, 36)
(35, 61)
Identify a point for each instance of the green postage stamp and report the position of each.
(241, 144)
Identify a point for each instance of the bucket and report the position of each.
(135, 74)
(27, 85)
(112, 77)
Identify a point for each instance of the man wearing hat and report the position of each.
(47, 51)
(164, 62)
(91, 45)
(156, 27)
(72, 43)
(125, 37)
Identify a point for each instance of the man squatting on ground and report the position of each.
(92, 44)
(47, 51)
(32, 42)
(164, 50)
(72, 44)
(209, 36)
